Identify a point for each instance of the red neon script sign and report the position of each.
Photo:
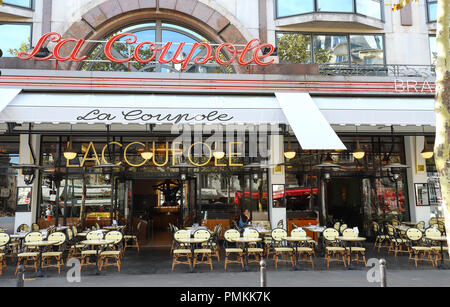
(252, 52)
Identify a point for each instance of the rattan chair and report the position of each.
(337, 226)
(304, 249)
(254, 248)
(421, 226)
(342, 228)
(333, 247)
(356, 250)
(114, 251)
(435, 246)
(57, 255)
(232, 248)
(23, 228)
(206, 250)
(181, 250)
(281, 248)
(4, 240)
(397, 243)
(280, 224)
(416, 246)
(381, 240)
(31, 254)
(134, 238)
(89, 252)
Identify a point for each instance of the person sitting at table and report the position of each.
(244, 219)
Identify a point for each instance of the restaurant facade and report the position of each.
(191, 111)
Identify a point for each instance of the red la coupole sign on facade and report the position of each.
(243, 56)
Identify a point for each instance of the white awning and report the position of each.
(7, 95)
(309, 125)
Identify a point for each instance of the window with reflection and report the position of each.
(432, 10)
(294, 7)
(335, 6)
(330, 49)
(360, 191)
(23, 3)
(433, 49)
(369, 8)
(9, 153)
(367, 49)
(159, 33)
(14, 38)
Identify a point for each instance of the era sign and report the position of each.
(252, 52)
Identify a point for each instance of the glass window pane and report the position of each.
(14, 38)
(330, 49)
(371, 8)
(294, 48)
(335, 6)
(367, 49)
(294, 7)
(24, 3)
(433, 50)
(432, 10)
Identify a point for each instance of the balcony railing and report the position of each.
(393, 70)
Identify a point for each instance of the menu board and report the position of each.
(23, 199)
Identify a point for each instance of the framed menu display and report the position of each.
(24, 199)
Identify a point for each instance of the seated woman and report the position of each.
(244, 219)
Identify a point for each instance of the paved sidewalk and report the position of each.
(403, 278)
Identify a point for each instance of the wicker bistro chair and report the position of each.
(114, 253)
(57, 255)
(214, 241)
(281, 247)
(74, 247)
(342, 228)
(206, 250)
(396, 242)
(254, 249)
(4, 240)
(89, 252)
(381, 240)
(31, 254)
(231, 248)
(181, 250)
(421, 226)
(434, 245)
(305, 250)
(134, 238)
(333, 247)
(280, 224)
(356, 250)
(337, 226)
(23, 228)
(416, 246)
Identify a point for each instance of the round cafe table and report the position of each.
(246, 242)
(98, 244)
(40, 245)
(442, 241)
(297, 241)
(192, 243)
(349, 241)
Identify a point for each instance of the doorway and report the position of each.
(344, 201)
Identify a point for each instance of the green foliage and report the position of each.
(296, 48)
(23, 47)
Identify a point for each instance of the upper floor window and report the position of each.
(22, 3)
(15, 37)
(371, 8)
(160, 33)
(346, 49)
(433, 49)
(431, 10)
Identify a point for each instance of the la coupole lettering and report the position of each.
(251, 53)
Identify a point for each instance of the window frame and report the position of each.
(315, 10)
(312, 34)
(31, 7)
(428, 4)
(31, 24)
